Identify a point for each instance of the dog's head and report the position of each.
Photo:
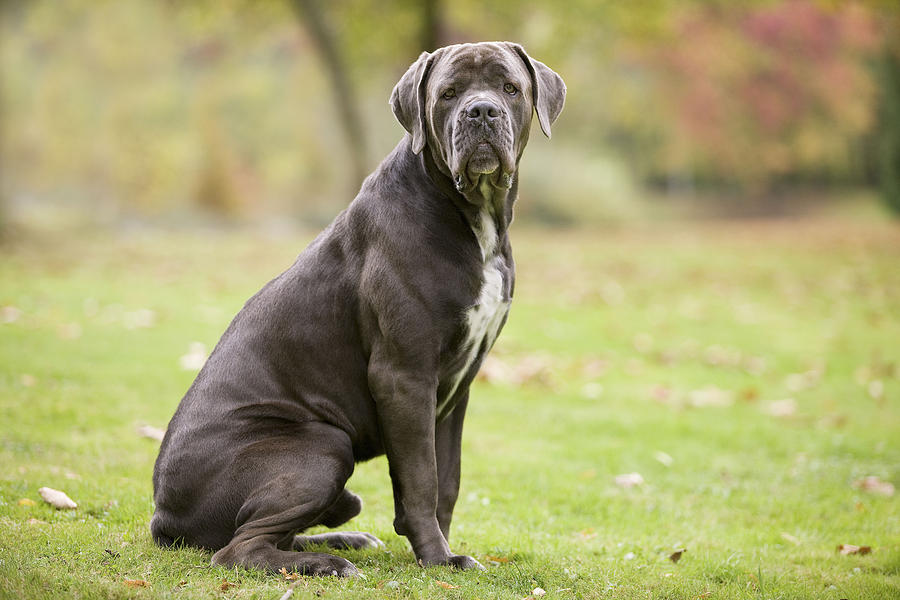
(471, 106)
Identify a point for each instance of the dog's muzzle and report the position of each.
(482, 141)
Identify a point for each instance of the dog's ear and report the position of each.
(408, 99)
(547, 89)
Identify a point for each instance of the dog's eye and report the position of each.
(510, 89)
(447, 95)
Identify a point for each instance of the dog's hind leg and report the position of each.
(344, 508)
(293, 482)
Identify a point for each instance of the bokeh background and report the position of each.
(270, 112)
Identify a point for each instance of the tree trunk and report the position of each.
(431, 25)
(309, 13)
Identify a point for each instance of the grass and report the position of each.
(750, 373)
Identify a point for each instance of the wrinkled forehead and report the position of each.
(465, 64)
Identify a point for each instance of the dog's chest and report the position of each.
(482, 320)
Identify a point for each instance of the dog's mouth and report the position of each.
(483, 164)
(483, 161)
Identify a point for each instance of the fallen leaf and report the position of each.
(851, 549)
(499, 559)
(720, 356)
(226, 585)
(875, 389)
(56, 498)
(136, 583)
(629, 480)
(10, 314)
(445, 585)
(592, 390)
(663, 458)
(289, 576)
(643, 342)
(27, 502)
(533, 368)
(28, 380)
(710, 396)
(538, 592)
(594, 368)
(69, 331)
(141, 318)
(867, 484)
(661, 393)
(195, 357)
(782, 408)
(676, 556)
(792, 539)
(749, 394)
(150, 432)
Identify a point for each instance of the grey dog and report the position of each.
(368, 343)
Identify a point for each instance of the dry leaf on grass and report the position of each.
(867, 484)
(226, 585)
(136, 583)
(851, 549)
(195, 357)
(57, 499)
(27, 502)
(392, 584)
(790, 538)
(445, 585)
(496, 559)
(629, 480)
(676, 556)
(150, 432)
(782, 408)
(538, 592)
(289, 576)
(533, 368)
(710, 396)
(10, 314)
(663, 458)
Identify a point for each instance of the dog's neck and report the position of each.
(482, 201)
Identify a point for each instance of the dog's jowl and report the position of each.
(368, 343)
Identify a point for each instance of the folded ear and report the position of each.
(408, 99)
(547, 89)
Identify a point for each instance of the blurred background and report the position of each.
(272, 111)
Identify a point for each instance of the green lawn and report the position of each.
(750, 373)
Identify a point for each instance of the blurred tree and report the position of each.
(888, 131)
(431, 25)
(310, 13)
(763, 94)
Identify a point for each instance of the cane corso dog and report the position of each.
(367, 344)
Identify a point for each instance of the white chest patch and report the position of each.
(482, 319)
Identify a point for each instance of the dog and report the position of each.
(368, 343)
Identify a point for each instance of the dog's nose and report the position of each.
(483, 110)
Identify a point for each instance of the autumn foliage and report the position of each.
(762, 93)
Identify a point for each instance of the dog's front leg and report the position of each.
(405, 399)
(448, 444)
